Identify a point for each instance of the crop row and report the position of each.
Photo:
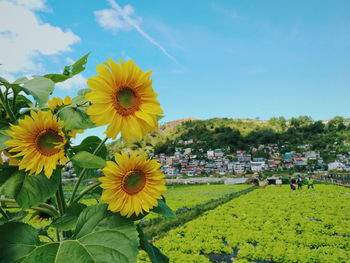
(273, 225)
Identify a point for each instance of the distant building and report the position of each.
(218, 153)
(312, 155)
(187, 151)
(244, 157)
(239, 167)
(210, 154)
(171, 171)
(336, 166)
(257, 166)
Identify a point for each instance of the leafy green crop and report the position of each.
(273, 224)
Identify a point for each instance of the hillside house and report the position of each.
(336, 166)
(257, 166)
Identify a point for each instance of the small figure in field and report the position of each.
(293, 186)
(310, 183)
(300, 183)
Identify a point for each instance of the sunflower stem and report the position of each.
(45, 208)
(6, 200)
(7, 108)
(82, 173)
(85, 191)
(58, 235)
(59, 203)
(2, 211)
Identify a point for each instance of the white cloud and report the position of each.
(124, 19)
(70, 60)
(31, 4)
(77, 82)
(25, 39)
(112, 20)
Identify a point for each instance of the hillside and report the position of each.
(242, 134)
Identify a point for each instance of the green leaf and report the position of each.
(88, 160)
(3, 81)
(21, 102)
(159, 117)
(69, 219)
(89, 144)
(57, 77)
(80, 99)
(100, 236)
(155, 255)
(40, 88)
(75, 119)
(6, 172)
(79, 65)
(15, 216)
(164, 209)
(15, 85)
(3, 138)
(30, 190)
(17, 240)
(69, 71)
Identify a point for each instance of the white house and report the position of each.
(257, 166)
(238, 167)
(210, 154)
(336, 166)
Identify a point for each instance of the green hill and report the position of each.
(242, 134)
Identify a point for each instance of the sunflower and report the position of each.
(132, 184)
(122, 97)
(55, 102)
(39, 140)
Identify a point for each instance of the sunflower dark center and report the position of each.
(134, 182)
(46, 142)
(126, 98)
(127, 101)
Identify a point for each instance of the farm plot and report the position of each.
(267, 225)
(192, 195)
(181, 198)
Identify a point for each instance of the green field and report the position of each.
(177, 197)
(188, 196)
(267, 225)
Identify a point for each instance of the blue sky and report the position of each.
(229, 58)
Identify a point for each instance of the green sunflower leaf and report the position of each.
(31, 190)
(100, 236)
(6, 172)
(155, 255)
(89, 144)
(79, 65)
(88, 160)
(69, 219)
(69, 71)
(13, 217)
(80, 98)
(40, 88)
(75, 119)
(17, 240)
(164, 209)
(3, 138)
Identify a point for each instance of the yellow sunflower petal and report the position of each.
(132, 185)
(39, 139)
(122, 96)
